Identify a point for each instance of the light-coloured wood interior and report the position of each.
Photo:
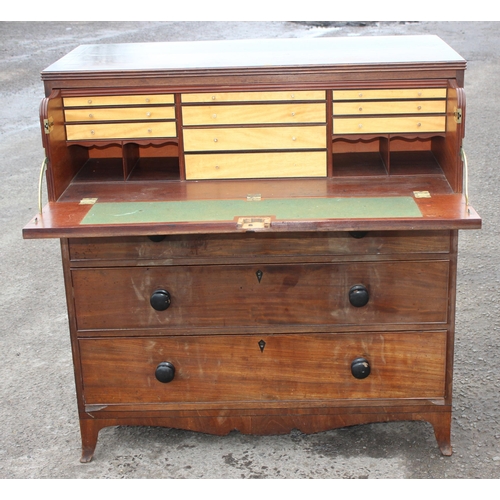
(256, 165)
(292, 95)
(255, 138)
(369, 94)
(383, 125)
(117, 100)
(118, 114)
(389, 107)
(120, 131)
(254, 114)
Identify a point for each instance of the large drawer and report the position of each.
(267, 369)
(229, 296)
(255, 138)
(182, 248)
(255, 165)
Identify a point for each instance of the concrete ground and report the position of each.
(39, 433)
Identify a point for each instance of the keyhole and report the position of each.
(259, 275)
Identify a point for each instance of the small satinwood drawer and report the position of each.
(211, 248)
(118, 100)
(291, 95)
(254, 114)
(356, 293)
(373, 94)
(249, 368)
(120, 114)
(391, 125)
(255, 138)
(389, 107)
(255, 165)
(120, 130)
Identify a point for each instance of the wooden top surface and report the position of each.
(265, 53)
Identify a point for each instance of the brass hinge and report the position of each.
(48, 124)
(458, 115)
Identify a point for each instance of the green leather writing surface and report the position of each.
(228, 210)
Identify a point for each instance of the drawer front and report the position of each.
(292, 95)
(369, 94)
(389, 107)
(261, 295)
(120, 131)
(255, 165)
(120, 114)
(390, 125)
(118, 100)
(257, 246)
(254, 114)
(258, 138)
(222, 369)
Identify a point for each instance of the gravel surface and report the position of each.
(39, 436)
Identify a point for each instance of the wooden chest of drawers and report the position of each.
(262, 240)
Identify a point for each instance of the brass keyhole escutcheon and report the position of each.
(262, 344)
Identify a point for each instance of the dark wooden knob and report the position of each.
(358, 234)
(165, 372)
(160, 300)
(360, 368)
(358, 296)
(157, 237)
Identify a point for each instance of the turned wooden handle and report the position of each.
(160, 300)
(165, 372)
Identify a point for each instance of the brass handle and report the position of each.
(40, 180)
(466, 176)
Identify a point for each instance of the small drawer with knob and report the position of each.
(118, 100)
(132, 130)
(389, 125)
(389, 107)
(120, 114)
(267, 369)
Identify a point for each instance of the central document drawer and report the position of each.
(262, 294)
(272, 368)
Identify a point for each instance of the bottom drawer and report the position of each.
(248, 368)
(253, 165)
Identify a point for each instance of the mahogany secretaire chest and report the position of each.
(258, 235)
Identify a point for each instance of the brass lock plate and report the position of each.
(253, 223)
